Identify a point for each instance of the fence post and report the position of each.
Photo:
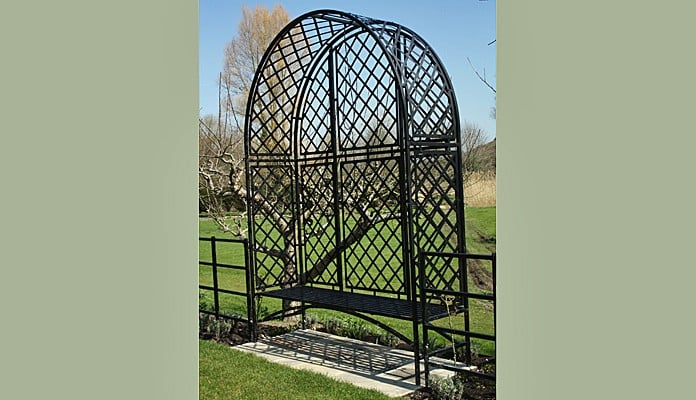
(464, 285)
(215, 277)
(495, 300)
(424, 316)
(251, 311)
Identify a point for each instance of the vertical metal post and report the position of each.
(251, 304)
(495, 301)
(335, 165)
(407, 245)
(215, 277)
(463, 274)
(416, 340)
(303, 315)
(424, 316)
(408, 237)
(297, 199)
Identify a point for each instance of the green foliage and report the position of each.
(217, 328)
(203, 302)
(480, 228)
(358, 329)
(451, 388)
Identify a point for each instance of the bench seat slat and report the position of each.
(366, 303)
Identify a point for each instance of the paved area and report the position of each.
(363, 364)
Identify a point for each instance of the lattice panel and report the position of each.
(428, 96)
(442, 273)
(280, 81)
(315, 133)
(428, 90)
(319, 222)
(370, 194)
(272, 225)
(366, 95)
(435, 211)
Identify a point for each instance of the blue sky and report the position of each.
(456, 29)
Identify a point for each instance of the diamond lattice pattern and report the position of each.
(366, 95)
(370, 193)
(273, 230)
(319, 222)
(435, 214)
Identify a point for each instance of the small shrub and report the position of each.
(310, 320)
(451, 388)
(358, 329)
(217, 328)
(388, 339)
(261, 310)
(203, 302)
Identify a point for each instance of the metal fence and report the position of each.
(216, 288)
(459, 303)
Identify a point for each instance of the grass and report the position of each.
(480, 229)
(480, 237)
(225, 373)
(481, 219)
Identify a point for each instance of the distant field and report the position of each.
(480, 191)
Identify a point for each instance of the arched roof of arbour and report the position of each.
(386, 75)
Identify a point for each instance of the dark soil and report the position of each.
(239, 334)
(482, 278)
(478, 388)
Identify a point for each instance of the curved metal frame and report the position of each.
(353, 160)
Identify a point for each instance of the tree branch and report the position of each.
(482, 78)
(361, 228)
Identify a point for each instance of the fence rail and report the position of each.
(463, 296)
(217, 290)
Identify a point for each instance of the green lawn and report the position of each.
(480, 236)
(480, 229)
(225, 373)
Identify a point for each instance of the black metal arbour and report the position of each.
(353, 150)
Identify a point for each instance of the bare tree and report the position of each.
(483, 78)
(220, 173)
(475, 161)
(221, 177)
(473, 137)
(243, 53)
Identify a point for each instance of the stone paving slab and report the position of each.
(367, 365)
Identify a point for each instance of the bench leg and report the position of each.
(416, 350)
(303, 316)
